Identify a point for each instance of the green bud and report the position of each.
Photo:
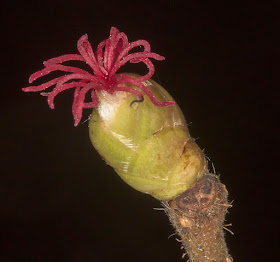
(148, 146)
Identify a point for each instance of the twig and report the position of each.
(198, 217)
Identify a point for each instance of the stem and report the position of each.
(198, 217)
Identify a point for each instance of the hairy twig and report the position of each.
(198, 217)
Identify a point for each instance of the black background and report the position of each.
(60, 202)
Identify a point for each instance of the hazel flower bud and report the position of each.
(147, 142)
(148, 146)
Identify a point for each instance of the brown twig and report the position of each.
(198, 216)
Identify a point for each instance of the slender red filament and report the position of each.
(111, 54)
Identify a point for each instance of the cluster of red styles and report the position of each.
(111, 54)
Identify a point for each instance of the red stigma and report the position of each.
(111, 54)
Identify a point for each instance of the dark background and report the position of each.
(60, 202)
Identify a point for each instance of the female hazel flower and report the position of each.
(147, 143)
(111, 54)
